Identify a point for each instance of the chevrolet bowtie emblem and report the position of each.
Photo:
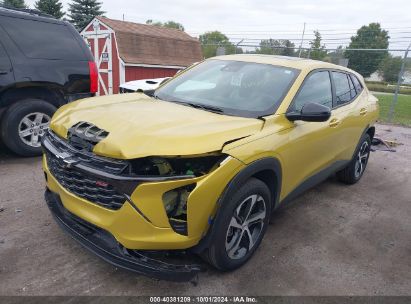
(66, 160)
(69, 163)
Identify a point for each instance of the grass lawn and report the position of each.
(402, 113)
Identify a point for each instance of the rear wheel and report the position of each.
(23, 125)
(355, 169)
(241, 224)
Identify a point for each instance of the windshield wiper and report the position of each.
(201, 106)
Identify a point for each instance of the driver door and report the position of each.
(311, 146)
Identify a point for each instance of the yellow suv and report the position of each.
(200, 164)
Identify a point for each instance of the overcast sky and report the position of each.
(336, 20)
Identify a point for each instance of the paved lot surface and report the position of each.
(335, 240)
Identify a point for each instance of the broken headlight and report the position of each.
(162, 166)
(175, 200)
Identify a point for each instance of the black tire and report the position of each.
(351, 174)
(217, 254)
(9, 128)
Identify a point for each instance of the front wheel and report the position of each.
(23, 125)
(355, 169)
(241, 226)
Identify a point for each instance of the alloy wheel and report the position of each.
(32, 127)
(245, 226)
(362, 159)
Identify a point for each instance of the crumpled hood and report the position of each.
(140, 126)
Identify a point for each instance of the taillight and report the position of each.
(93, 77)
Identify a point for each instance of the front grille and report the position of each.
(82, 184)
(88, 158)
(87, 187)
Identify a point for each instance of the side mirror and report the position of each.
(310, 112)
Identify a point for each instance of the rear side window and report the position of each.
(43, 40)
(316, 89)
(353, 93)
(342, 88)
(357, 83)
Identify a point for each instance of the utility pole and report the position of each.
(302, 39)
(236, 46)
(397, 88)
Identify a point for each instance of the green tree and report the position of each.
(390, 68)
(14, 3)
(81, 12)
(368, 37)
(51, 7)
(317, 50)
(289, 49)
(268, 47)
(335, 56)
(168, 24)
(276, 47)
(210, 41)
(173, 24)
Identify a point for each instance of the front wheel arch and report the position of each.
(267, 170)
(371, 132)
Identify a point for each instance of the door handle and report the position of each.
(363, 111)
(334, 122)
(3, 72)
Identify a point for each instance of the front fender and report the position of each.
(253, 169)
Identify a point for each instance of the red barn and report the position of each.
(126, 51)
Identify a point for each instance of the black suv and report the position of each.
(44, 63)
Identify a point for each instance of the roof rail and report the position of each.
(27, 11)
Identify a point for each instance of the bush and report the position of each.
(381, 87)
(375, 82)
(390, 68)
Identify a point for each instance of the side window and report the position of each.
(357, 84)
(353, 93)
(316, 89)
(43, 40)
(342, 88)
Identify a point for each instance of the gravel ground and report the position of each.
(334, 240)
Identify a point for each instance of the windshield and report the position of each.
(231, 87)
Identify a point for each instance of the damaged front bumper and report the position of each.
(103, 244)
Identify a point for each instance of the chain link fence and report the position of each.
(387, 72)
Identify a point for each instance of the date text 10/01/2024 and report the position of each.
(203, 299)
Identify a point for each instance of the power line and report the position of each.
(307, 34)
(306, 48)
(310, 39)
(298, 32)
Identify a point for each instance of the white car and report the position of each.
(142, 85)
(146, 84)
